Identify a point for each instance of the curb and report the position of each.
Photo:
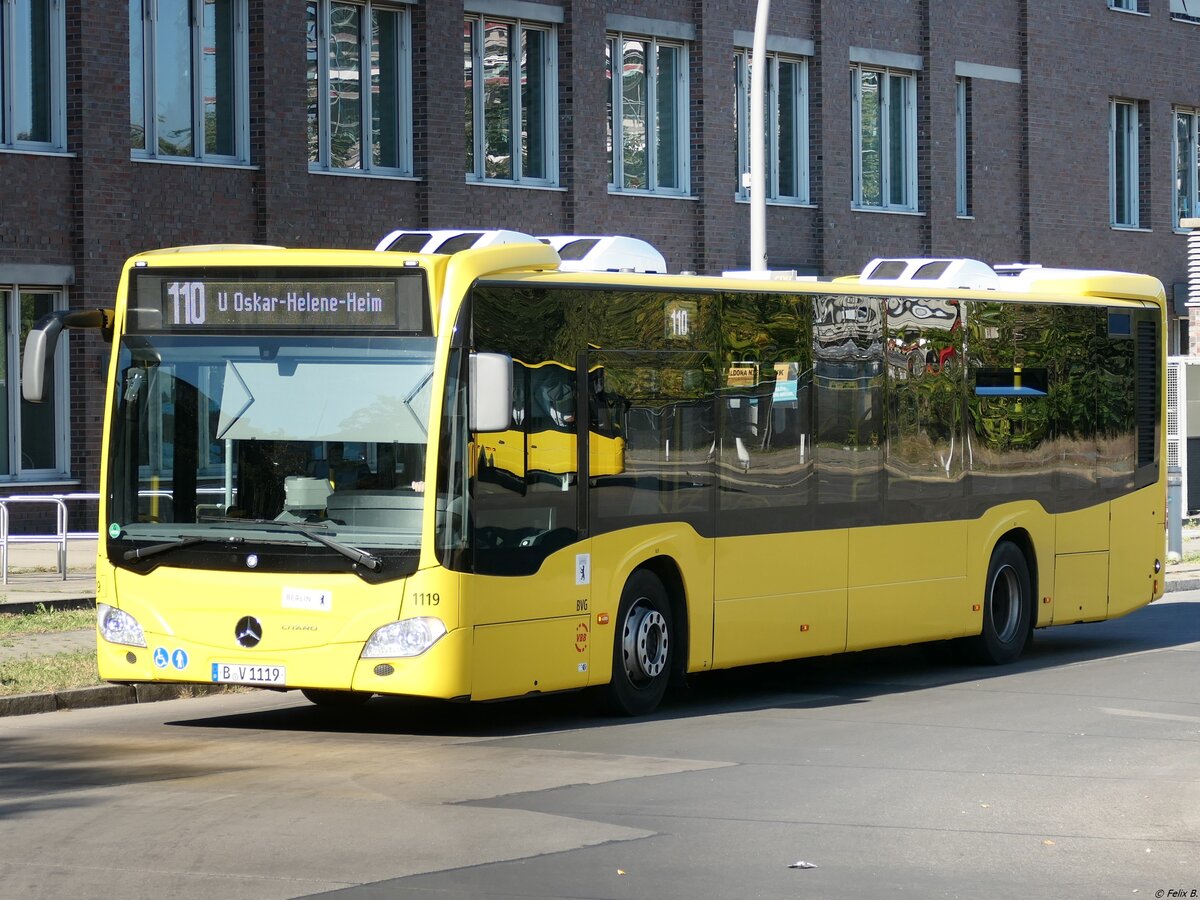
(1190, 582)
(103, 695)
(25, 607)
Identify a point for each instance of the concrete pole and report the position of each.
(758, 155)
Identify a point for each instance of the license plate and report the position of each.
(238, 673)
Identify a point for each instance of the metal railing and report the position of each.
(61, 531)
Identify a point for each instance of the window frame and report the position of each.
(908, 149)
(56, 82)
(549, 67)
(10, 308)
(241, 89)
(1192, 165)
(801, 133)
(616, 170)
(1185, 11)
(404, 91)
(1128, 136)
(963, 149)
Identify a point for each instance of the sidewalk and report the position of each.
(33, 577)
(33, 581)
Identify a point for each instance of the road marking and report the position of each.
(1141, 714)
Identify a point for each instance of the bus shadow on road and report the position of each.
(799, 684)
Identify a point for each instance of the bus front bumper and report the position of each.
(442, 671)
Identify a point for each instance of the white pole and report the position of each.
(758, 156)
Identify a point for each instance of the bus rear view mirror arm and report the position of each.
(491, 392)
(36, 367)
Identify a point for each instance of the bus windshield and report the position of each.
(270, 438)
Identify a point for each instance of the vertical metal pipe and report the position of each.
(758, 175)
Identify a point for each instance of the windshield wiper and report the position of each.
(155, 549)
(367, 560)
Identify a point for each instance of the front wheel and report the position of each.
(1007, 607)
(642, 646)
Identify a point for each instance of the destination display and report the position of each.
(394, 302)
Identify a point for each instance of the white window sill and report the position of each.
(189, 161)
(786, 204)
(359, 173)
(1135, 229)
(30, 151)
(963, 218)
(1129, 12)
(653, 195)
(887, 212)
(520, 185)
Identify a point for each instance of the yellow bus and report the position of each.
(295, 493)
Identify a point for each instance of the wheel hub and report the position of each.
(1005, 603)
(644, 642)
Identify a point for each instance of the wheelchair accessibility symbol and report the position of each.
(160, 657)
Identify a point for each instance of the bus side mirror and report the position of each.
(490, 392)
(38, 362)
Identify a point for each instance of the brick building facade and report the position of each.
(983, 128)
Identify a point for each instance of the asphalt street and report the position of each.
(1075, 773)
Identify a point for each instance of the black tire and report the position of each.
(329, 699)
(1007, 607)
(642, 646)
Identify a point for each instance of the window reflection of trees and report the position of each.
(813, 411)
(924, 345)
(1080, 436)
(345, 87)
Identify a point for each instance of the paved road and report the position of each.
(1073, 774)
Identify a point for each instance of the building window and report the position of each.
(1137, 6)
(1125, 180)
(885, 139)
(188, 65)
(510, 81)
(33, 440)
(647, 115)
(32, 75)
(962, 146)
(359, 88)
(1187, 165)
(786, 117)
(1185, 10)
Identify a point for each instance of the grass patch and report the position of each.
(46, 621)
(37, 674)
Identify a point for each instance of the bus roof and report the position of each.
(450, 274)
(1052, 286)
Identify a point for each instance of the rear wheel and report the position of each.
(330, 699)
(1007, 607)
(642, 646)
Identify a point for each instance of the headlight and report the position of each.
(118, 626)
(409, 637)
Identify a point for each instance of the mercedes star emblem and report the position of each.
(248, 631)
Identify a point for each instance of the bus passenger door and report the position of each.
(908, 571)
(530, 596)
(780, 567)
